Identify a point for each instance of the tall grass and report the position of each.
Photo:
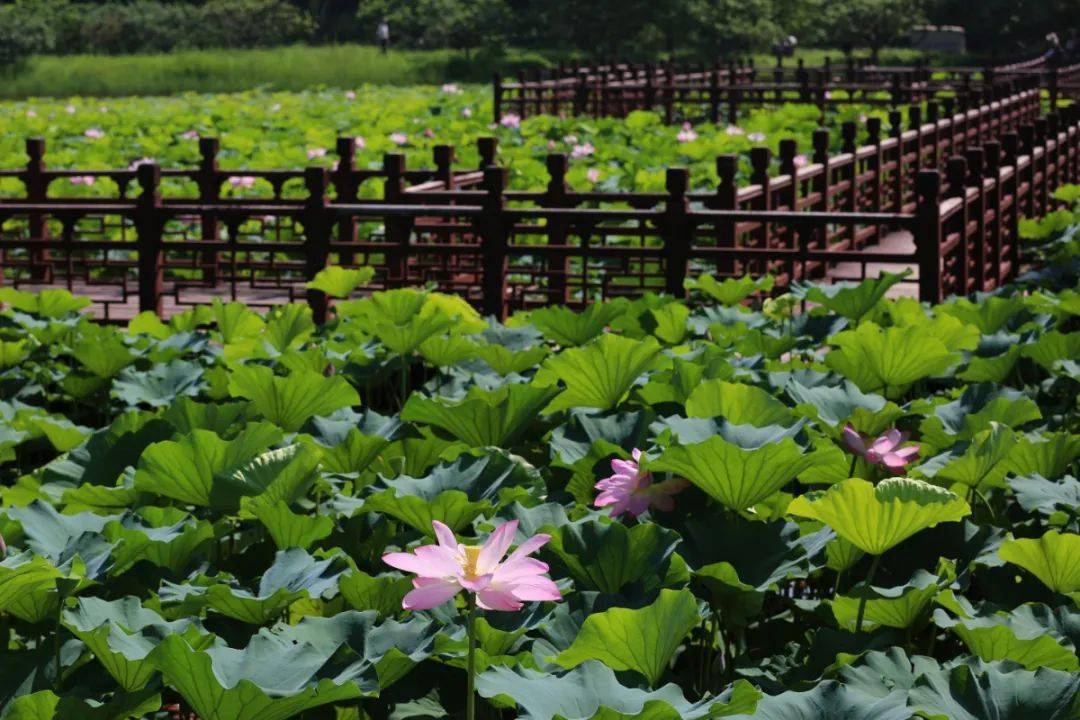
(285, 68)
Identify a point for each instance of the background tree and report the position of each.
(871, 24)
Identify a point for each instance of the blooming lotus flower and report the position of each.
(94, 133)
(31, 113)
(756, 137)
(444, 570)
(884, 450)
(350, 94)
(82, 180)
(734, 130)
(190, 135)
(242, 181)
(69, 109)
(801, 161)
(399, 138)
(451, 89)
(510, 120)
(466, 112)
(141, 161)
(687, 134)
(630, 490)
(316, 153)
(583, 150)
(429, 133)
(593, 175)
(360, 142)
(570, 139)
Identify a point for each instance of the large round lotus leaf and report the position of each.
(875, 519)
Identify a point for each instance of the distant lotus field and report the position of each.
(296, 129)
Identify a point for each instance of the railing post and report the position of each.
(759, 162)
(714, 96)
(496, 97)
(678, 232)
(347, 190)
(37, 192)
(557, 235)
(727, 198)
(494, 242)
(956, 175)
(486, 148)
(398, 229)
(877, 162)
(149, 223)
(928, 235)
(992, 172)
(977, 211)
(208, 180)
(581, 93)
(896, 127)
(317, 226)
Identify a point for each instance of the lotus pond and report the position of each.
(823, 504)
(265, 130)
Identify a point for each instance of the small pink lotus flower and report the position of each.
(883, 450)
(69, 109)
(551, 145)
(141, 161)
(801, 161)
(190, 135)
(630, 490)
(360, 142)
(94, 133)
(242, 181)
(429, 133)
(593, 175)
(451, 89)
(583, 150)
(350, 94)
(103, 108)
(756, 137)
(510, 120)
(31, 113)
(82, 180)
(466, 112)
(687, 134)
(275, 107)
(734, 130)
(399, 138)
(444, 570)
(570, 139)
(316, 153)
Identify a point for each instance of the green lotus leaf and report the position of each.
(897, 607)
(506, 361)
(103, 353)
(46, 705)
(1036, 494)
(286, 528)
(382, 593)
(640, 640)
(973, 411)
(186, 415)
(1054, 559)
(608, 557)
(836, 405)
(994, 369)
(1050, 456)
(591, 691)
(122, 633)
(104, 456)
(13, 352)
(830, 699)
(61, 433)
(354, 454)
(983, 461)
(737, 478)
(889, 359)
(730, 291)
(989, 313)
(158, 387)
(49, 303)
(339, 282)
(737, 403)
(484, 417)
(1053, 347)
(880, 672)
(28, 587)
(289, 325)
(600, 374)
(397, 306)
(196, 469)
(163, 536)
(563, 326)
(851, 300)
(55, 536)
(447, 350)
(1032, 635)
(976, 690)
(875, 519)
(290, 401)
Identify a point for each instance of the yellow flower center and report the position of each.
(472, 555)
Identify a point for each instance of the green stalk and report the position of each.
(404, 379)
(854, 462)
(862, 600)
(470, 663)
(56, 643)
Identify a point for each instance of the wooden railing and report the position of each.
(941, 195)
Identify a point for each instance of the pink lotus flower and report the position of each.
(350, 94)
(510, 120)
(570, 139)
(444, 570)
(429, 133)
(190, 135)
(69, 109)
(316, 153)
(31, 113)
(593, 175)
(360, 142)
(94, 133)
(399, 138)
(141, 161)
(883, 450)
(583, 150)
(551, 145)
(801, 161)
(82, 180)
(242, 181)
(466, 112)
(734, 130)
(756, 137)
(451, 89)
(630, 490)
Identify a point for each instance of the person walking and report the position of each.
(382, 33)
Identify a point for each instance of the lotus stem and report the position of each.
(862, 600)
(470, 662)
(404, 379)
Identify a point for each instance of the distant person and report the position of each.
(785, 47)
(1053, 52)
(382, 32)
